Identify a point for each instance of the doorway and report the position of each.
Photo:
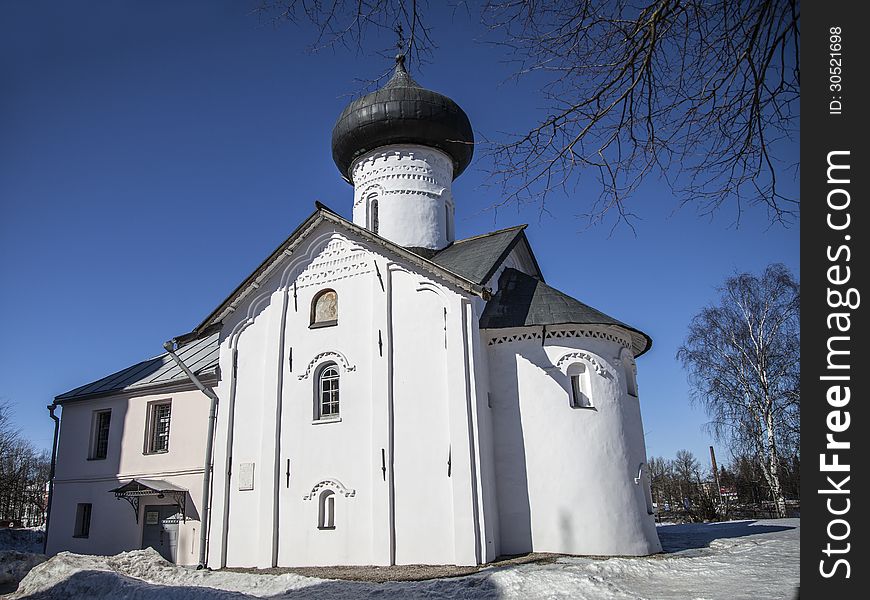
(160, 529)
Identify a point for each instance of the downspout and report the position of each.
(206, 476)
(51, 408)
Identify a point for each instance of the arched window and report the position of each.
(324, 309)
(448, 222)
(372, 202)
(630, 372)
(578, 374)
(326, 510)
(327, 392)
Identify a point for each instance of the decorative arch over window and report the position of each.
(327, 493)
(324, 309)
(326, 403)
(331, 356)
(578, 375)
(333, 484)
(571, 357)
(630, 368)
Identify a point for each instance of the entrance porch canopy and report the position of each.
(135, 489)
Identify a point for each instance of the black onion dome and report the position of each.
(402, 112)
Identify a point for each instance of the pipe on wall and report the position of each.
(51, 408)
(209, 443)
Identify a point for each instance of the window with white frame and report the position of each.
(327, 392)
(326, 510)
(100, 425)
(157, 427)
(83, 521)
(578, 374)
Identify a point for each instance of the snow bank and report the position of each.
(757, 560)
(15, 565)
(21, 540)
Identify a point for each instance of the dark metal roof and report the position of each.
(523, 301)
(201, 356)
(477, 258)
(402, 112)
(147, 487)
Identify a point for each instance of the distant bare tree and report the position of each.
(686, 467)
(697, 92)
(743, 358)
(23, 473)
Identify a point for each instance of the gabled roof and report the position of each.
(467, 263)
(523, 301)
(320, 215)
(477, 258)
(201, 356)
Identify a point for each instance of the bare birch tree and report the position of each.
(700, 94)
(743, 359)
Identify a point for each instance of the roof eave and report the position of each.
(321, 214)
(164, 386)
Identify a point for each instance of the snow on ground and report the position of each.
(26, 539)
(745, 559)
(19, 552)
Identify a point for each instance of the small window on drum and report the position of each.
(374, 222)
(324, 309)
(578, 375)
(630, 369)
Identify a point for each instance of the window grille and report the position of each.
(83, 521)
(100, 438)
(160, 417)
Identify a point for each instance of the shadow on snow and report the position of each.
(106, 584)
(675, 538)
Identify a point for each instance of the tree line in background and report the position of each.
(24, 471)
(743, 358)
(683, 490)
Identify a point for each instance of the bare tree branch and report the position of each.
(702, 94)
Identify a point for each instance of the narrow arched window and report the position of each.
(327, 392)
(448, 222)
(324, 309)
(578, 374)
(372, 203)
(326, 510)
(630, 372)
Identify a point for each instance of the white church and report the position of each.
(376, 392)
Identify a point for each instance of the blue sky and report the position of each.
(152, 154)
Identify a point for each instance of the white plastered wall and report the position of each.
(566, 476)
(412, 186)
(386, 487)
(80, 480)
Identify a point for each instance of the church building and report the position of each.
(376, 392)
